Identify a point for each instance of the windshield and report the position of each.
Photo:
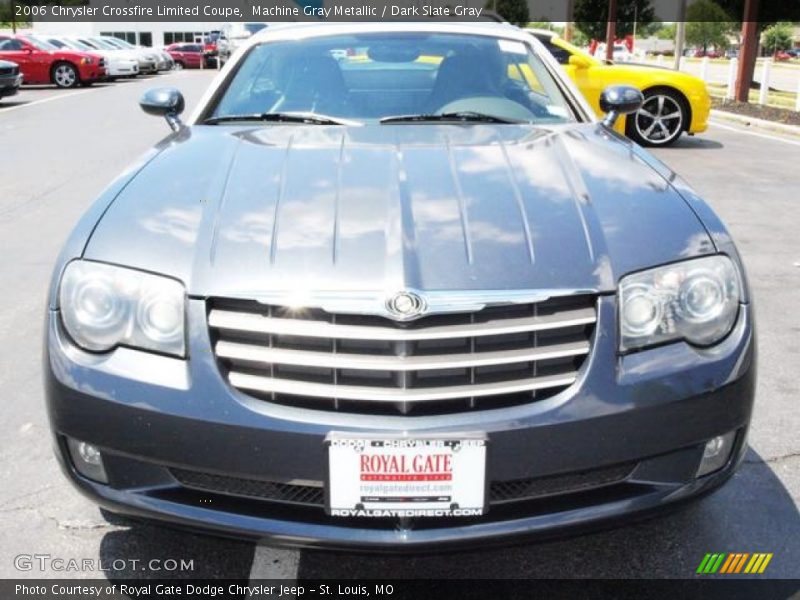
(40, 43)
(374, 76)
(254, 27)
(102, 44)
(121, 43)
(74, 44)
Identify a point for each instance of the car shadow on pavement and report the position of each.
(141, 550)
(695, 143)
(753, 512)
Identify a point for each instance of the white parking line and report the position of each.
(765, 136)
(274, 563)
(75, 93)
(43, 100)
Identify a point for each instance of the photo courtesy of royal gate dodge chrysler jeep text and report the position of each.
(392, 287)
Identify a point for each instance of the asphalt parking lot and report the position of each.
(61, 148)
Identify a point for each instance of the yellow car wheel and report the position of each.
(661, 120)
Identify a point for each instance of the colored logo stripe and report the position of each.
(758, 563)
(710, 563)
(734, 563)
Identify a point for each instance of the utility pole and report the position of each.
(611, 29)
(748, 51)
(569, 26)
(680, 34)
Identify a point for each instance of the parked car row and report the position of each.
(68, 61)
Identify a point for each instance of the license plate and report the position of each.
(386, 476)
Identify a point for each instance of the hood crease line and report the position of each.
(512, 178)
(281, 191)
(462, 208)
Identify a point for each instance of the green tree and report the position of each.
(591, 17)
(779, 36)
(650, 29)
(707, 25)
(513, 11)
(667, 32)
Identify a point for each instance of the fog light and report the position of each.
(88, 460)
(716, 453)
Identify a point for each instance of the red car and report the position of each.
(40, 62)
(708, 53)
(186, 56)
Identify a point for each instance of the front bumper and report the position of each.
(148, 66)
(700, 103)
(151, 415)
(123, 69)
(9, 85)
(93, 72)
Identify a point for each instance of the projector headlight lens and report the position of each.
(696, 300)
(104, 306)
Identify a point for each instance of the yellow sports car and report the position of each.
(674, 102)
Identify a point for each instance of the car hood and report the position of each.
(244, 211)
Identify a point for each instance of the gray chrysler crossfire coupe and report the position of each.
(393, 287)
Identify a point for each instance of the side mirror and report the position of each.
(164, 102)
(619, 100)
(578, 61)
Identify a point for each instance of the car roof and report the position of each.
(314, 29)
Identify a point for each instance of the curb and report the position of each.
(755, 123)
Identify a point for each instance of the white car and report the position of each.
(117, 65)
(621, 53)
(148, 58)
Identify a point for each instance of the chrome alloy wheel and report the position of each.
(660, 120)
(65, 76)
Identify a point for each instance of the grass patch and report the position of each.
(779, 99)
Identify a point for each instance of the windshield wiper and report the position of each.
(464, 116)
(309, 118)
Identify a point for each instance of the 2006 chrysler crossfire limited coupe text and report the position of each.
(393, 287)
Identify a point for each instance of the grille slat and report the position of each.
(499, 355)
(240, 321)
(386, 394)
(261, 354)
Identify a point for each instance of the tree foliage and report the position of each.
(591, 16)
(667, 33)
(779, 36)
(707, 25)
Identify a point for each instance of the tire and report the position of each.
(661, 120)
(65, 75)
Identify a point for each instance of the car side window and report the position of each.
(9, 45)
(561, 55)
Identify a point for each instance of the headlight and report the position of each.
(86, 60)
(103, 306)
(695, 300)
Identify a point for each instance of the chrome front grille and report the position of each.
(494, 357)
